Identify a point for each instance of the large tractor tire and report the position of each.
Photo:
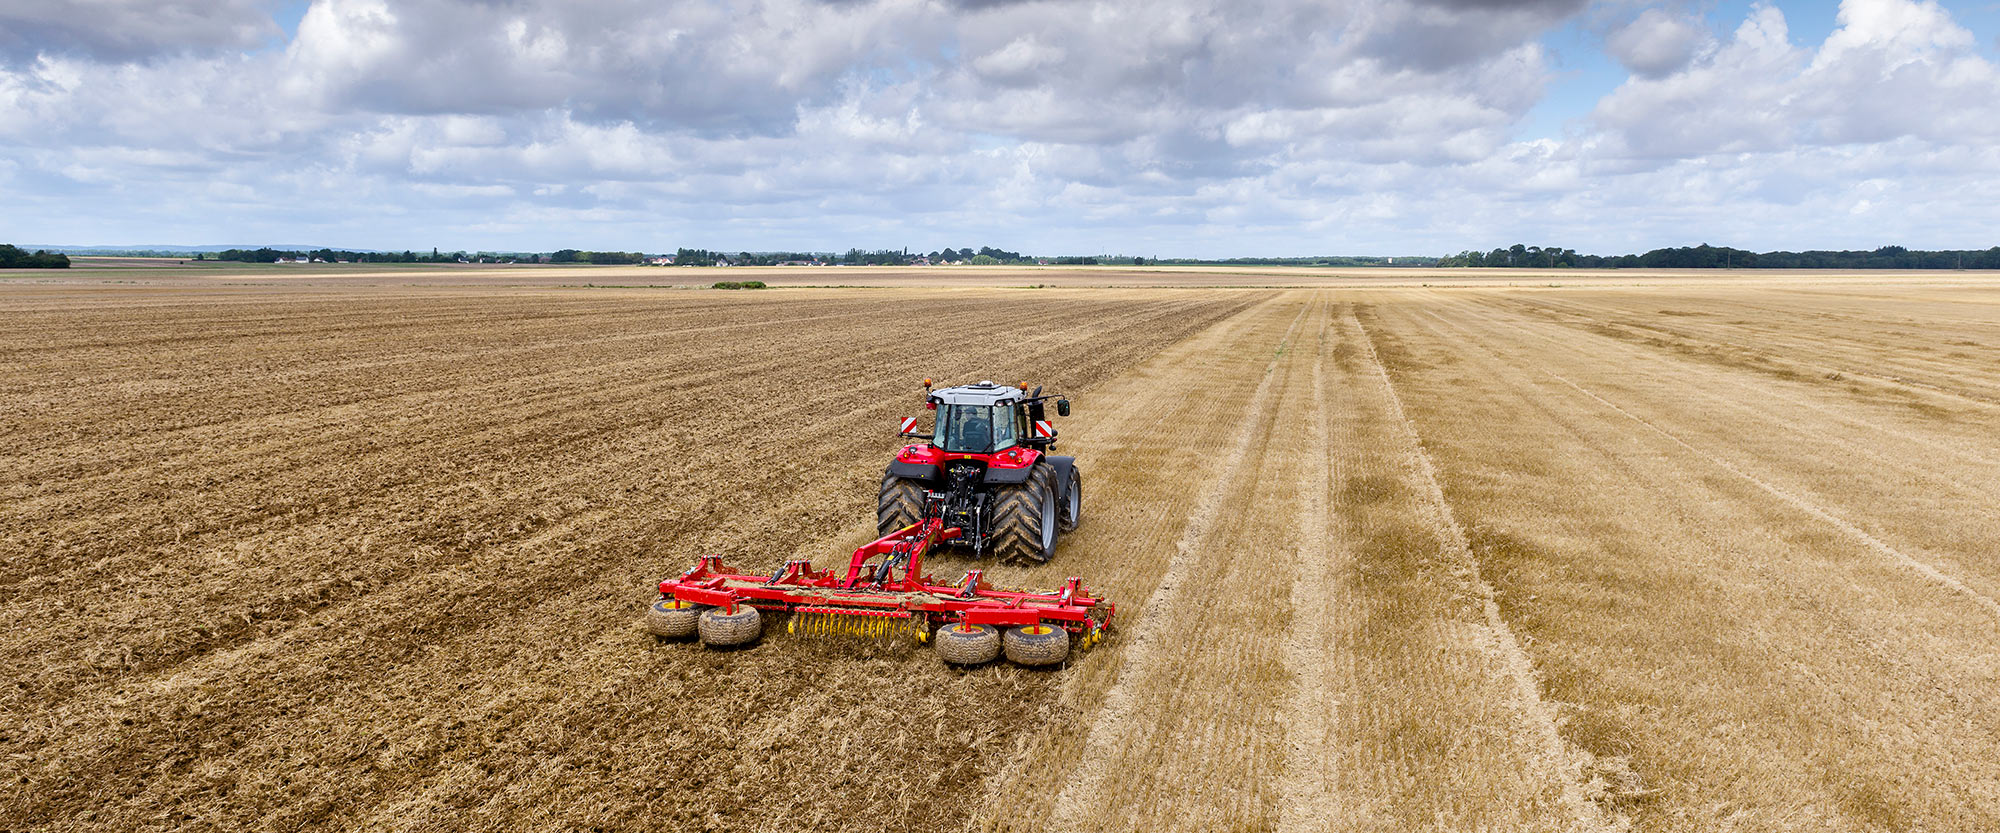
(723, 630)
(899, 504)
(1025, 518)
(1036, 645)
(672, 618)
(963, 644)
(1072, 501)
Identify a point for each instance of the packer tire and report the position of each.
(1025, 518)
(899, 504)
(672, 618)
(1072, 502)
(723, 630)
(963, 644)
(1036, 645)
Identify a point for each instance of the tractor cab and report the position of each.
(979, 419)
(987, 419)
(988, 468)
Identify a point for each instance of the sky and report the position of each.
(1166, 128)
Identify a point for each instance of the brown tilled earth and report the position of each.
(285, 551)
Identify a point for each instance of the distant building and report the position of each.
(663, 260)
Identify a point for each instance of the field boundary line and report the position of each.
(1925, 568)
(1565, 761)
(1119, 706)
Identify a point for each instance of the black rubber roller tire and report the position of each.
(1037, 644)
(1025, 518)
(723, 630)
(963, 644)
(899, 504)
(672, 618)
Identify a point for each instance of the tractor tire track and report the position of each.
(1921, 567)
(1309, 797)
(1147, 652)
(1561, 762)
(1874, 544)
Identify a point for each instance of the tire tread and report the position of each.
(1018, 518)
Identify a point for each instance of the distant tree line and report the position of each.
(269, 255)
(602, 258)
(1722, 257)
(984, 255)
(1341, 261)
(704, 257)
(12, 257)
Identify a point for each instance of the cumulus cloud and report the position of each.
(130, 30)
(1656, 43)
(1892, 68)
(1057, 125)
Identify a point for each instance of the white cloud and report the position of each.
(1893, 68)
(1657, 42)
(130, 30)
(1194, 127)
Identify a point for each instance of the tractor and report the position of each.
(983, 480)
(989, 456)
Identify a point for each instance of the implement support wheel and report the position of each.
(963, 644)
(672, 618)
(725, 629)
(1037, 645)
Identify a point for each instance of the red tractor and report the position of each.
(988, 469)
(984, 481)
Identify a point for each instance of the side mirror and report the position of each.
(1062, 407)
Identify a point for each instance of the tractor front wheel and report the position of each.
(1072, 503)
(1025, 518)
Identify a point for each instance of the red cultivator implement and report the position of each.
(884, 593)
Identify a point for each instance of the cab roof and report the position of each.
(984, 393)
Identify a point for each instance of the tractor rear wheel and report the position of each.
(963, 644)
(1025, 518)
(899, 504)
(1036, 645)
(726, 629)
(672, 618)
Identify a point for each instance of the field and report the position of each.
(365, 550)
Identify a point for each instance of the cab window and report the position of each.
(976, 429)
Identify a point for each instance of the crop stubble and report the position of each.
(1387, 559)
(394, 589)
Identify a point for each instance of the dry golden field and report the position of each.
(347, 550)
